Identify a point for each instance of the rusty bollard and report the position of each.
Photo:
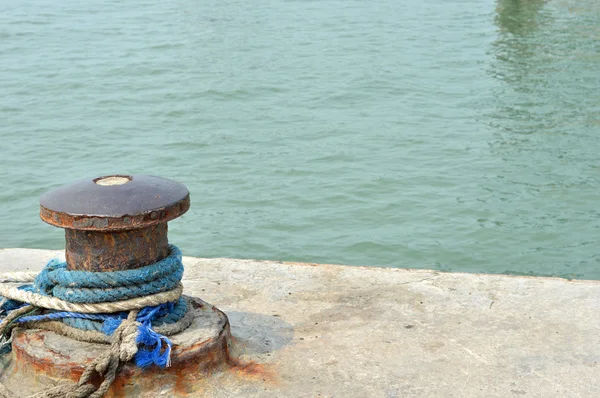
(112, 223)
(115, 222)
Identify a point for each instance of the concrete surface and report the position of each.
(312, 330)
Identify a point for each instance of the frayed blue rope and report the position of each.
(154, 348)
(151, 350)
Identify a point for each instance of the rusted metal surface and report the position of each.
(118, 250)
(140, 202)
(42, 358)
(115, 222)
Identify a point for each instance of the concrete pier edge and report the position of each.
(316, 330)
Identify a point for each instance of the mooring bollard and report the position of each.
(117, 223)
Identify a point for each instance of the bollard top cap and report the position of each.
(114, 202)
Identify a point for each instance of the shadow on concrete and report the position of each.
(259, 333)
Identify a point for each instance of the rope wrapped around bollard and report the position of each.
(133, 310)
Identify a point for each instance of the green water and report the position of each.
(454, 135)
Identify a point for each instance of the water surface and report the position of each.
(458, 136)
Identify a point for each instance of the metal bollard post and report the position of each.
(115, 222)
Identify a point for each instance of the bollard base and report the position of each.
(42, 359)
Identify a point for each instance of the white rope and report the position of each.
(5, 392)
(54, 303)
(17, 277)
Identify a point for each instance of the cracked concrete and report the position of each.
(337, 331)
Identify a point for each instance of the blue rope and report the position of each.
(95, 287)
(60, 315)
(175, 314)
(101, 287)
(106, 280)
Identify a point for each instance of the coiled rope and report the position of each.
(133, 310)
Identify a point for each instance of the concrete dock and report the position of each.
(314, 330)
